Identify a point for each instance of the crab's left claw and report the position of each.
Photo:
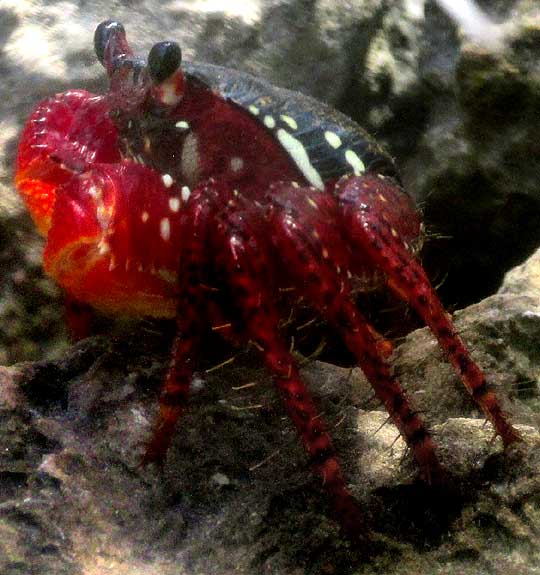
(64, 136)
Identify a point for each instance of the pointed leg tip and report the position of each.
(511, 437)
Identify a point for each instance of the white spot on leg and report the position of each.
(236, 163)
(185, 193)
(182, 125)
(254, 110)
(165, 229)
(299, 155)
(144, 217)
(174, 204)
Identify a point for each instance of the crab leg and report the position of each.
(79, 316)
(369, 218)
(191, 320)
(243, 257)
(319, 260)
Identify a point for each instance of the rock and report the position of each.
(236, 495)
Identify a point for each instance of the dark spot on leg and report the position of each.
(444, 332)
(481, 390)
(322, 455)
(422, 300)
(463, 362)
(419, 436)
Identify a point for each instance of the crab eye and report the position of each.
(163, 60)
(103, 34)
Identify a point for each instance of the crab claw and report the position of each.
(63, 137)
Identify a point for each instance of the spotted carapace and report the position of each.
(204, 194)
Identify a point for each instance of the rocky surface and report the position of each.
(236, 495)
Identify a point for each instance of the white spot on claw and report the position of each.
(355, 162)
(103, 247)
(167, 180)
(144, 217)
(165, 229)
(299, 155)
(95, 192)
(333, 139)
(182, 125)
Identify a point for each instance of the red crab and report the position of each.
(203, 194)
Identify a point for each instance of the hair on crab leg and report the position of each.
(192, 321)
(366, 203)
(246, 269)
(313, 248)
(173, 398)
